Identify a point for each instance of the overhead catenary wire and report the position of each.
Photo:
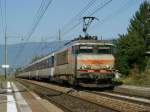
(40, 13)
(31, 28)
(100, 7)
(36, 22)
(120, 10)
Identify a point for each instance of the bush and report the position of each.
(142, 79)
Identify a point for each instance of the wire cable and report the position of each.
(40, 13)
(120, 10)
(101, 6)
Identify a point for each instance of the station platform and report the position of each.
(14, 97)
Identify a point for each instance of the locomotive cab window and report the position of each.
(93, 49)
(105, 50)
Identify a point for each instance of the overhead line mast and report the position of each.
(5, 57)
(59, 32)
(4, 30)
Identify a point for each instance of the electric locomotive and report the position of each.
(85, 62)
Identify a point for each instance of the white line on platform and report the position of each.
(9, 90)
(8, 85)
(23, 105)
(11, 105)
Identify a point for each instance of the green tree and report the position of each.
(35, 58)
(132, 46)
(121, 54)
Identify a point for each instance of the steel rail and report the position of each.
(125, 97)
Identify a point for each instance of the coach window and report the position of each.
(41, 64)
(51, 61)
(45, 63)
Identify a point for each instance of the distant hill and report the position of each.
(31, 49)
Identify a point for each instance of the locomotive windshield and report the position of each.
(95, 49)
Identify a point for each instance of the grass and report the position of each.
(137, 79)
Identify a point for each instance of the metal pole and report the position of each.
(59, 35)
(5, 55)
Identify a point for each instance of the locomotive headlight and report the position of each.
(85, 67)
(82, 67)
(107, 66)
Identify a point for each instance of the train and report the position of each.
(81, 62)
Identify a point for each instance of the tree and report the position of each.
(140, 23)
(121, 61)
(35, 58)
(132, 46)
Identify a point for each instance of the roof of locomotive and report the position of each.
(100, 42)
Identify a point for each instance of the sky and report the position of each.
(113, 19)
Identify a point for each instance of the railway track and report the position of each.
(130, 95)
(100, 101)
(125, 97)
(64, 108)
(67, 102)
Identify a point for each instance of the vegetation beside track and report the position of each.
(136, 79)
